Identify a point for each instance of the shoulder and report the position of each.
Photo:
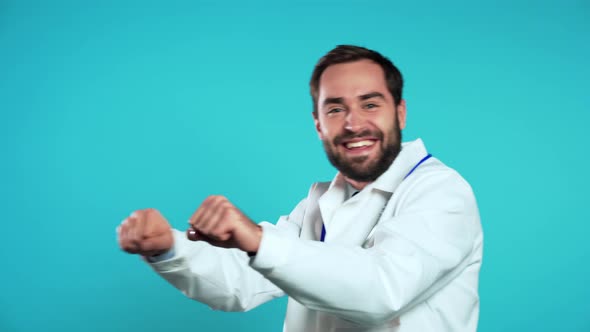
(434, 171)
(438, 198)
(437, 185)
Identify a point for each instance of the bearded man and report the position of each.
(393, 243)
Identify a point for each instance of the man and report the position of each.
(393, 243)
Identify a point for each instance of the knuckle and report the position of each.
(151, 211)
(123, 232)
(216, 198)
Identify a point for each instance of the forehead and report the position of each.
(352, 79)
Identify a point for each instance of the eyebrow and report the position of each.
(340, 100)
(372, 95)
(333, 100)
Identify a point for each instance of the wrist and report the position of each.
(160, 255)
(256, 241)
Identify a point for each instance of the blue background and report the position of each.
(111, 106)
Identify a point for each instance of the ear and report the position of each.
(316, 122)
(401, 114)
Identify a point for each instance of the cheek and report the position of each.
(326, 130)
(388, 125)
(322, 133)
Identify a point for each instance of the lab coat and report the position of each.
(402, 255)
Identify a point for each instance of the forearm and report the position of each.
(367, 286)
(220, 278)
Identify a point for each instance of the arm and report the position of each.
(417, 252)
(219, 277)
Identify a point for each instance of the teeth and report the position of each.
(359, 144)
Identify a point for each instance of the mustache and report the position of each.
(365, 133)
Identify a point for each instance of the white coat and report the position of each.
(402, 255)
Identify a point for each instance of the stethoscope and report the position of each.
(323, 236)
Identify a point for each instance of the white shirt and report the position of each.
(401, 255)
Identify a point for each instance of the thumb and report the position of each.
(194, 235)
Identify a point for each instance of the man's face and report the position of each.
(357, 120)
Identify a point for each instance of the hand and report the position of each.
(218, 222)
(145, 232)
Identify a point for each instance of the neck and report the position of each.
(356, 184)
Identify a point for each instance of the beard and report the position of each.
(360, 168)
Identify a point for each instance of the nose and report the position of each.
(354, 121)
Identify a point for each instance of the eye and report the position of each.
(371, 105)
(335, 110)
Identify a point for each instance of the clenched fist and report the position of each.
(218, 222)
(145, 232)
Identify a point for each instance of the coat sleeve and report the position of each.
(218, 277)
(415, 253)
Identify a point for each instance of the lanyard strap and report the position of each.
(323, 236)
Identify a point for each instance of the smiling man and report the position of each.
(359, 121)
(393, 243)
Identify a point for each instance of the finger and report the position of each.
(213, 216)
(203, 211)
(192, 234)
(223, 229)
(125, 242)
(121, 230)
(132, 222)
(200, 210)
(201, 216)
(141, 219)
(124, 231)
(157, 225)
(152, 224)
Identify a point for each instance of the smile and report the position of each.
(359, 146)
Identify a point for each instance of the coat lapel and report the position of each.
(352, 221)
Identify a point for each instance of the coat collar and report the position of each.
(410, 154)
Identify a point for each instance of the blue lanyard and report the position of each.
(411, 171)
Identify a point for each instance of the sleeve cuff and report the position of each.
(273, 250)
(172, 259)
(162, 257)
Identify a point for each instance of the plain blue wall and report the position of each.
(115, 106)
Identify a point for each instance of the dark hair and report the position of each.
(351, 53)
